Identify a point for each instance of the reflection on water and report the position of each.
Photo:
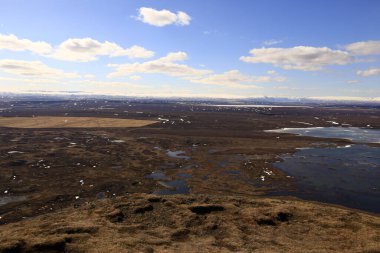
(356, 134)
(173, 187)
(183, 175)
(118, 141)
(177, 154)
(9, 199)
(157, 175)
(348, 176)
(232, 172)
(101, 195)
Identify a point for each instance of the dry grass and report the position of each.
(195, 223)
(70, 122)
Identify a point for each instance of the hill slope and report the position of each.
(195, 223)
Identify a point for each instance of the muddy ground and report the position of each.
(192, 149)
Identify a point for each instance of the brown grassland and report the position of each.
(195, 223)
(70, 122)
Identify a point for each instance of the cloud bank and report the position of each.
(166, 65)
(369, 72)
(300, 57)
(371, 47)
(87, 49)
(73, 49)
(234, 78)
(33, 69)
(12, 42)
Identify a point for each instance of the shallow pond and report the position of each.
(176, 186)
(348, 175)
(355, 134)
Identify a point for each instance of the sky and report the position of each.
(326, 49)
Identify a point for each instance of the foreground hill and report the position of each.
(195, 223)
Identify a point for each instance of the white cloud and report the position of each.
(135, 77)
(271, 42)
(89, 76)
(30, 80)
(163, 17)
(106, 84)
(352, 81)
(300, 57)
(176, 56)
(281, 87)
(234, 78)
(371, 47)
(137, 52)
(11, 42)
(347, 98)
(271, 72)
(165, 65)
(369, 72)
(33, 69)
(87, 49)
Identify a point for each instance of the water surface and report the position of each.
(261, 106)
(348, 176)
(177, 154)
(173, 187)
(157, 175)
(355, 134)
(9, 199)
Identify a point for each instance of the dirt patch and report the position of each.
(70, 122)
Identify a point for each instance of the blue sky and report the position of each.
(236, 48)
